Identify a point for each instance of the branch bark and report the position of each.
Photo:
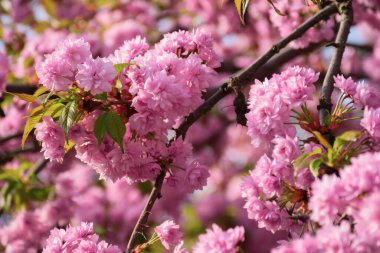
(238, 80)
(246, 76)
(325, 105)
(21, 88)
(143, 219)
(10, 137)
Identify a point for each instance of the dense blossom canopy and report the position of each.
(202, 126)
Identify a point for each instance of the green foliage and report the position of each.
(119, 67)
(303, 160)
(69, 116)
(113, 125)
(26, 97)
(20, 187)
(101, 96)
(52, 108)
(336, 155)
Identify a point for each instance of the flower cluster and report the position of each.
(155, 88)
(279, 192)
(50, 134)
(77, 239)
(295, 12)
(169, 234)
(4, 63)
(217, 240)
(347, 208)
(272, 181)
(271, 101)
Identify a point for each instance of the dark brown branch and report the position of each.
(236, 82)
(39, 165)
(10, 137)
(361, 47)
(143, 219)
(246, 76)
(325, 105)
(21, 88)
(8, 156)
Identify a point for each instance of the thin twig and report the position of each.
(39, 165)
(10, 137)
(246, 76)
(236, 82)
(143, 219)
(325, 105)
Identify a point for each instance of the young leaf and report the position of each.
(100, 127)
(302, 160)
(315, 165)
(119, 67)
(115, 128)
(38, 194)
(101, 96)
(40, 91)
(68, 116)
(241, 7)
(349, 136)
(26, 97)
(51, 109)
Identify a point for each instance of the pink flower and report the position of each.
(77, 239)
(217, 240)
(196, 176)
(169, 233)
(345, 85)
(55, 73)
(4, 63)
(130, 50)
(286, 149)
(96, 75)
(327, 200)
(74, 51)
(366, 95)
(52, 137)
(371, 121)
(368, 217)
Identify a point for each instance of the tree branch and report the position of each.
(10, 137)
(143, 219)
(21, 88)
(246, 76)
(236, 82)
(325, 105)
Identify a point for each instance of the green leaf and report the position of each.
(314, 166)
(68, 116)
(26, 97)
(100, 127)
(241, 7)
(119, 67)
(349, 136)
(38, 194)
(51, 109)
(113, 125)
(115, 128)
(302, 160)
(28, 62)
(40, 91)
(101, 96)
